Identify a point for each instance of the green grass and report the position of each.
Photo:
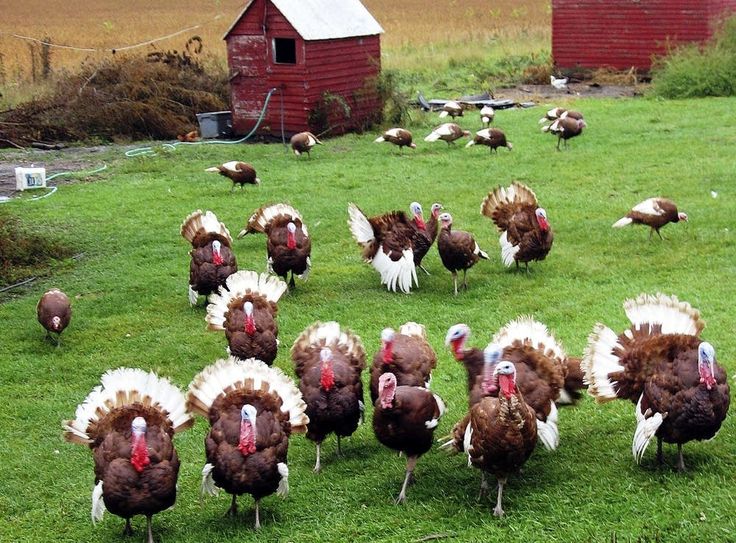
(130, 308)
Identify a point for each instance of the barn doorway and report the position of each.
(284, 51)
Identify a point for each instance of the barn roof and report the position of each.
(324, 19)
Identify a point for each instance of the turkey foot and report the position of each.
(680, 459)
(233, 508)
(411, 462)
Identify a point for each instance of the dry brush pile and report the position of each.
(154, 97)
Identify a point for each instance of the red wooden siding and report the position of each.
(625, 33)
(340, 66)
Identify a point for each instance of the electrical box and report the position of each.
(215, 124)
(30, 178)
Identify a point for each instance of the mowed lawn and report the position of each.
(129, 293)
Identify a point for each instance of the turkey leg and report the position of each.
(317, 465)
(454, 281)
(680, 459)
(411, 462)
(258, 520)
(128, 530)
(150, 532)
(498, 511)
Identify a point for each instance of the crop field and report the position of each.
(416, 32)
(129, 295)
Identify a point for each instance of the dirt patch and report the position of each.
(546, 93)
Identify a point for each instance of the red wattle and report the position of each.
(420, 222)
(139, 455)
(217, 259)
(457, 345)
(508, 387)
(327, 377)
(388, 353)
(250, 325)
(247, 443)
(290, 240)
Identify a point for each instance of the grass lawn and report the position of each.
(130, 306)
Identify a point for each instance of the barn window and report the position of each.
(284, 51)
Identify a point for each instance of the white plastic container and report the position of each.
(30, 178)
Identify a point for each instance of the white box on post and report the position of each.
(30, 178)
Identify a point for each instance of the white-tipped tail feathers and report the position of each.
(599, 360)
(674, 316)
(330, 334)
(238, 285)
(261, 218)
(516, 192)
(126, 386)
(359, 226)
(413, 329)
(396, 274)
(199, 222)
(98, 504)
(547, 431)
(208, 487)
(533, 333)
(232, 373)
(647, 425)
(623, 221)
(508, 250)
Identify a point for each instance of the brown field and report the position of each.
(417, 32)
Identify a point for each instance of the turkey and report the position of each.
(560, 83)
(329, 362)
(451, 108)
(54, 311)
(245, 308)
(486, 115)
(424, 233)
(564, 128)
(129, 421)
(288, 245)
(654, 213)
(188, 137)
(660, 364)
(213, 260)
(252, 410)
(404, 419)
(525, 232)
(458, 250)
(560, 112)
(499, 433)
(397, 136)
(448, 132)
(408, 355)
(491, 137)
(303, 143)
(388, 244)
(240, 173)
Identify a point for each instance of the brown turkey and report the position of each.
(288, 246)
(424, 233)
(565, 128)
(408, 355)
(458, 250)
(487, 115)
(451, 108)
(398, 136)
(54, 311)
(654, 213)
(660, 364)
(448, 132)
(525, 231)
(240, 173)
(404, 419)
(560, 112)
(245, 309)
(252, 410)
(129, 421)
(493, 138)
(388, 243)
(499, 433)
(329, 362)
(303, 143)
(212, 258)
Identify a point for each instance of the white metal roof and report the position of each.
(325, 19)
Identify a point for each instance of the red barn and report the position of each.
(323, 56)
(620, 34)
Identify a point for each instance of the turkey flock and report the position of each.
(516, 383)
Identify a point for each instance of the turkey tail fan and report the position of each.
(600, 360)
(547, 430)
(122, 388)
(674, 316)
(312, 139)
(531, 332)
(262, 217)
(328, 334)
(248, 376)
(200, 223)
(623, 221)
(238, 285)
(434, 136)
(514, 193)
(396, 274)
(362, 231)
(413, 329)
(573, 382)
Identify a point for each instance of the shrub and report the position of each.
(24, 252)
(693, 71)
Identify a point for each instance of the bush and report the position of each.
(694, 71)
(24, 252)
